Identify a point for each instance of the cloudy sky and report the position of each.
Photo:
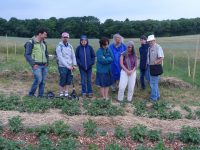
(102, 9)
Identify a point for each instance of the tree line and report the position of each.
(93, 28)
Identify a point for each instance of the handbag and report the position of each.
(156, 70)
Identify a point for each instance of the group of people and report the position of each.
(116, 64)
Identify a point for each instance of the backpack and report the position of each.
(55, 54)
(32, 43)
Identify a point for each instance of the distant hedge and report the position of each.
(93, 28)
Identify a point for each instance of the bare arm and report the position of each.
(122, 64)
(158, 61)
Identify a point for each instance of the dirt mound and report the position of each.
(175, 83)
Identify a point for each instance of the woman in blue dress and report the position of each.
(103, 66)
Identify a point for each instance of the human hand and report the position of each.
(35, 66)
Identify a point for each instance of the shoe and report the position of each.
(90, 95)
(61, 94)
(84, 95)
(66, 94)
(113, 90)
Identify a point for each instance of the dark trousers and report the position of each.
(143, 75)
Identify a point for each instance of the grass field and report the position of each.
(179, 47)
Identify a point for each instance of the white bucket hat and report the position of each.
(151, 38)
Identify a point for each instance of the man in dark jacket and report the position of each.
(143, 60)
(36, 55)
(85, 58)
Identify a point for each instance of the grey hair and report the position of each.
(117, 35)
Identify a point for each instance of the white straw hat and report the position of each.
(151, 38)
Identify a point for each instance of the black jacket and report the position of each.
(143, 55)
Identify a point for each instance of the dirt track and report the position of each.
(36, 119)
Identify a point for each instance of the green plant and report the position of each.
(9, 145)
(93, 147)
(114, 147)
(42, 130)
(153, 135)
(189, 135)
(138, 132)
(102, 108)
(58, 103)
(197, 112)
(140, 108)
(90, 128)
(45, 143)
(67, 144)
(175, 115)
(141, 147)
(101, 132)
(1, 127)
(59, 127)
(191, 147)
(15, 124)
(62, 129)
(160, 105)
(160, 146)
(34, 104)
(29, 147)
(186, 108)
(171, 137)
(120, 132)
(189, 116)
(9, 103)
(71, 108)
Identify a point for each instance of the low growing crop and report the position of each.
(90, 128)
(138, 132)
(120, 132)
(153, 135)
(15, 124)
(189, 135)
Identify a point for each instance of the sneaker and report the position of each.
(61, 94)
(84, 95)
(90, 95)
(66, 94)
(113, 90)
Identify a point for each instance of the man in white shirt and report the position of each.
(155, 56)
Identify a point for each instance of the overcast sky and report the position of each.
(102, 9)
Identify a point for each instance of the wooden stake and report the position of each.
(189, 74)
(196, 56)
(6, 48)
(15, 48)
(173, 58)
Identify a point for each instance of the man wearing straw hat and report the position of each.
(155, 56)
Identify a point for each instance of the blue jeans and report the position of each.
(143, 74)
(86, 77)
(154, 80)
(40, 74)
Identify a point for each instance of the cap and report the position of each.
(65, 34)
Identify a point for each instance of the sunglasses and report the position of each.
(65, 37)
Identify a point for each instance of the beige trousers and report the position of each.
(124, 81)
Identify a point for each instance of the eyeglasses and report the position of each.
(129, 46)
(65, 37)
